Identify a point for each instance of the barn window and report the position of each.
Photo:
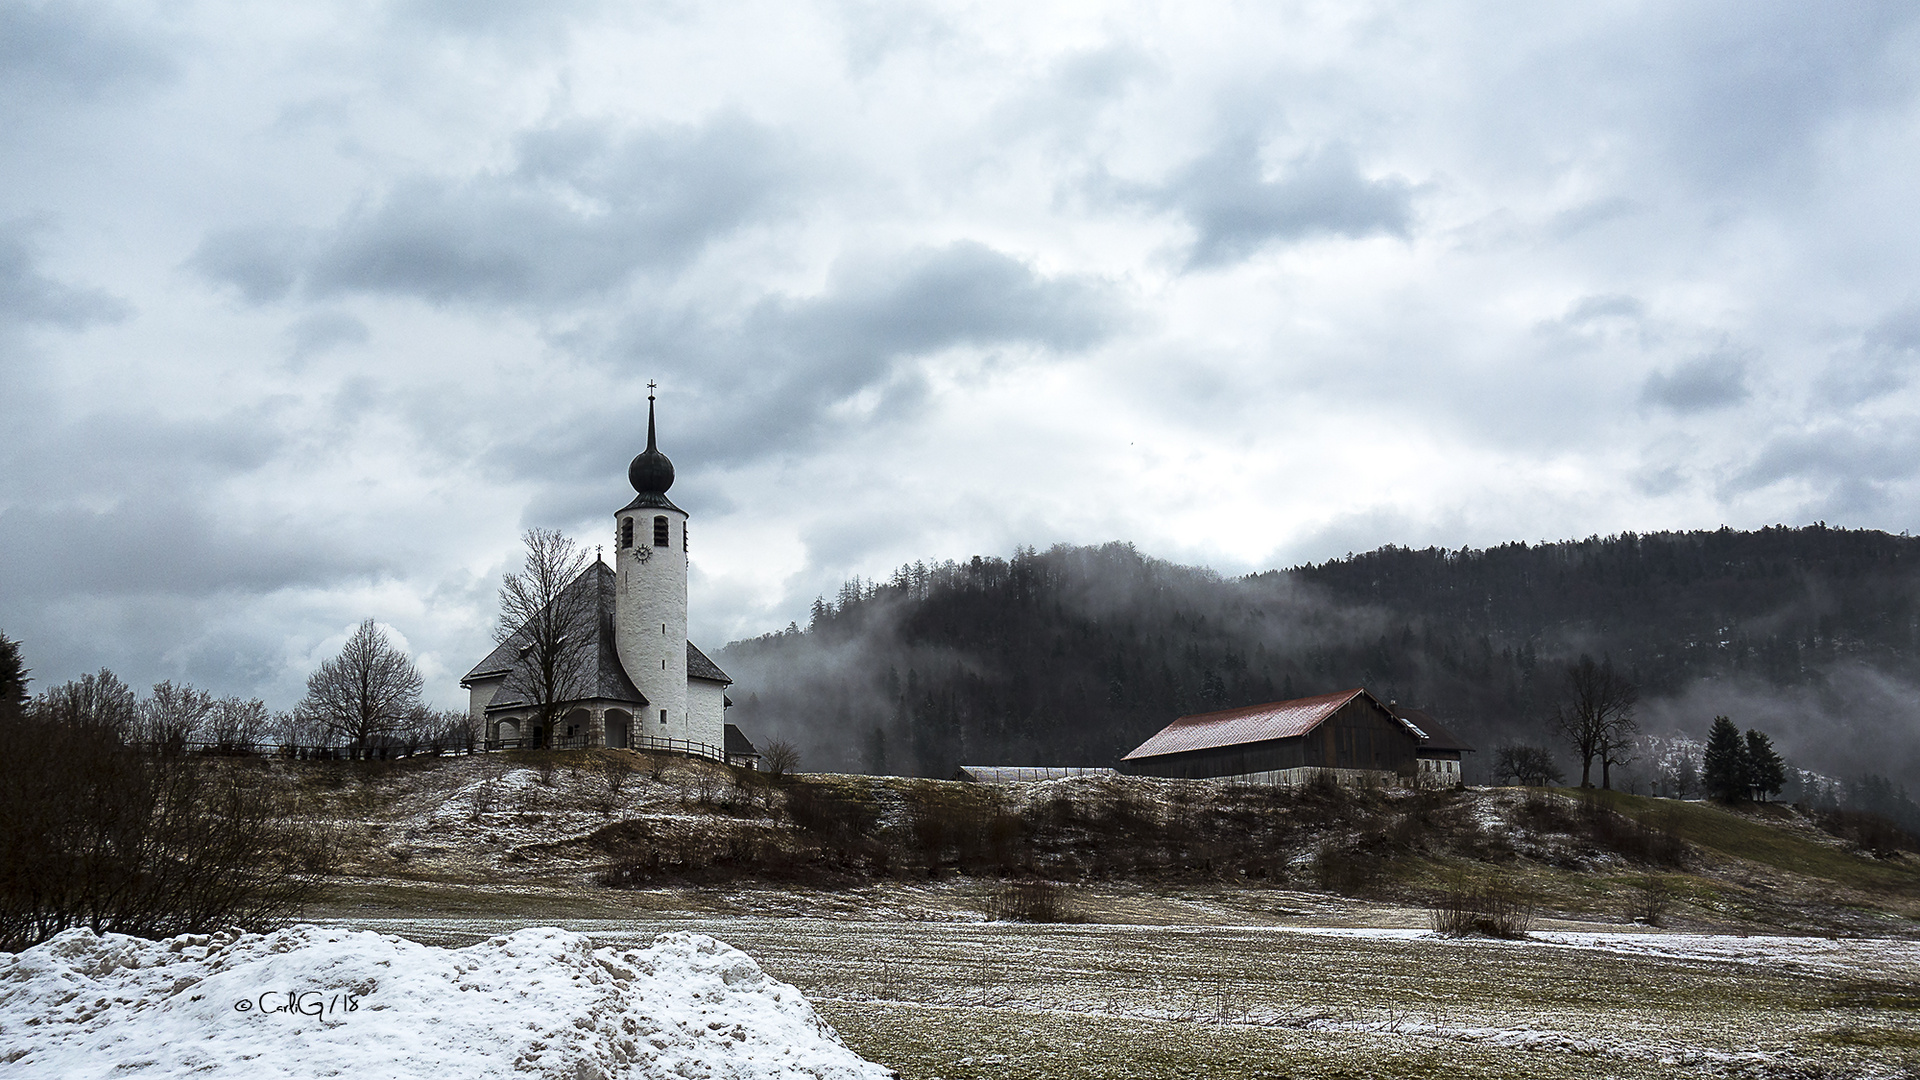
(660, 531)
(626, 532)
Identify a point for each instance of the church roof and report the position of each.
(699, 667)
(602, 676)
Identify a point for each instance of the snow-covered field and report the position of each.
(950, 999)
(312, 1002)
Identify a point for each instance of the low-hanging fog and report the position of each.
(1075, 655)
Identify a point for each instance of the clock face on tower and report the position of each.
(642, 552)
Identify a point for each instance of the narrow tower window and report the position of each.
(683, 538)
(663, 716)
(626, 532)
(660, 531)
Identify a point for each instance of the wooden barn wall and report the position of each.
(1361, 736)
(1223, 761)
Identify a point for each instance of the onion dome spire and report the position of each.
(651, 473)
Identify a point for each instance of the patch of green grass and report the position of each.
(1725, 832)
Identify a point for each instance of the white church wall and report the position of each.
(707, 712)
(650, 621)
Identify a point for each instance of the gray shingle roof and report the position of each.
(699, 667)
(602, 676)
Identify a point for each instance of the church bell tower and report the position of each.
(650, 598)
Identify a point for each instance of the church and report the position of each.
(635, 686)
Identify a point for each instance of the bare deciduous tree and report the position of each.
(1532, 766)
(172, 716)
(93, 701)
(236, 725)
(1597, 717)
(366, 692)
(550, 622)
(782, 758)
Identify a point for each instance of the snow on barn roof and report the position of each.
(1433, 735)
(1248, 724)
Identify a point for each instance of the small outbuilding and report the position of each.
(739, 749)
(1350, 737)
(1439, 751)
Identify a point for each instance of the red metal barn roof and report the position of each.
(1253, 723)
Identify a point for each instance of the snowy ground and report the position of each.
(977, 1000)
(314, 1002)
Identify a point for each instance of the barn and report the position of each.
(1350, 737)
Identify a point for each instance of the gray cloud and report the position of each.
(1883, 362)
(807, 354)
(1235, 210)
(1851, 467)
(581, 212)
(29, 298)
(54, 51)
(324, 330)
(1740, 89)
(1706, 382)
(766, 382)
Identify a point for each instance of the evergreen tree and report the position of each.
(1766, 772)
(1723, 776)
(1686, 778)
(13, 678)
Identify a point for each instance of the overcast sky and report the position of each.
(307, 310)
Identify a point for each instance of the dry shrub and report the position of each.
(1871, 833)
(829, 812)
(1655, 839)
(1340, 870)
(1035, 902)
(969, 824)
(1652, 897)
(93, 833)
(1488, 910)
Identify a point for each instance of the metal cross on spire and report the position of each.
(650, 385)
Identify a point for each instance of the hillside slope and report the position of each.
(598, 825)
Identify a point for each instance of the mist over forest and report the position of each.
(1075, 655)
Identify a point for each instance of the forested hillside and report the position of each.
(1074, 655)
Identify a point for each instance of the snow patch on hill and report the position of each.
(308, 1001)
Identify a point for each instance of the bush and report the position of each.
(825, 811)
(1485, 910)
(1659, 843)
(1034, 902)
(1871, 833)
(94, 833)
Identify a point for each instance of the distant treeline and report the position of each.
(1074, 655)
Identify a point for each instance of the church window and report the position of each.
(660, 531)
(626, 532)
(683, 538)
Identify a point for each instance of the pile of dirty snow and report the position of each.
(308, 1001)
